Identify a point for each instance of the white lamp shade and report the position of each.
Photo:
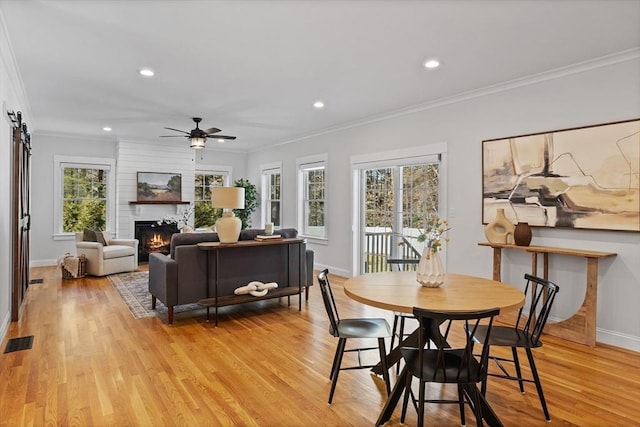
(227, 197)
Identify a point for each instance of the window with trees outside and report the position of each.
(206, 215)
(271, 194)
(86, 195)
(312, 195)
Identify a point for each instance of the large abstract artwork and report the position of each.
(586, 178)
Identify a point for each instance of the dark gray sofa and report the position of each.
(181, 277)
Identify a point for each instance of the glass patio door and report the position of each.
(396, 201)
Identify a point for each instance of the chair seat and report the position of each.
(506, 336)
(363, 328)
(452, 373)
(117, 251)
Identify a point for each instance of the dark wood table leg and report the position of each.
(394, 397)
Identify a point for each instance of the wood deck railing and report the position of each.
(378, 248)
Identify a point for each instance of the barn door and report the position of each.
(20, 215)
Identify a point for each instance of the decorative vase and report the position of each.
(522, 234)
(430, 271)
(498, 230)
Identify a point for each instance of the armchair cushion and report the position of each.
(116, 251)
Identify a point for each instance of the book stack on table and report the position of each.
(268, 237)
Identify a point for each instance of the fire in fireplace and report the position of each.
(153, 237)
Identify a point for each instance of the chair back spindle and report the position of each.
(329, 301)
(543, 292)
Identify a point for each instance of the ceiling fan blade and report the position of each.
(211, 130)
(174, 136)
(222, 137)
(178, 130)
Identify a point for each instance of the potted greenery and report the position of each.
(251, 202)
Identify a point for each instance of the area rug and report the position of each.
(134, 290)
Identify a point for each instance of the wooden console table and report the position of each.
(294, 257)
(581, 326)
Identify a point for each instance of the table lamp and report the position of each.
(228, 198)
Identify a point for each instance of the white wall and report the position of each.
(44, 249)
(156, 156)
(12, 98)
(237, 161)
(590, 94)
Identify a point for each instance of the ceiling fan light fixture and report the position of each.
(197, 142)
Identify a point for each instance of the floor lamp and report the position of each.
(228, 198)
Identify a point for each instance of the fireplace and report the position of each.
(153, 237)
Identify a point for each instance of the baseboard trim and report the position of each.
(616, 339)
(332, 270)
(43, 263)
(4, 328)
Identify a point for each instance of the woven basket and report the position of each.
(82, 269)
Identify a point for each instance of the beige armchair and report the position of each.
(117, 256)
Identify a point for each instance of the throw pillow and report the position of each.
(100, 238)
(89, 235)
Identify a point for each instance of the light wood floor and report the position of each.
(93, 364)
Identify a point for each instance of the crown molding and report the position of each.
(580, 67)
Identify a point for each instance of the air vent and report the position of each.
(17, 344)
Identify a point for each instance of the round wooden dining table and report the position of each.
(399, 291)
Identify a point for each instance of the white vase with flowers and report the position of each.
(430, 271)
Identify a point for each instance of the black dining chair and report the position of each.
(344, 329)
(399, 318)
(525, 334)
(445, 364)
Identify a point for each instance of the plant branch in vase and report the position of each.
(181, 220)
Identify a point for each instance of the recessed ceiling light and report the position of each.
(221, 141)
(318, 104)
(107, 129)
(431, 63)
(147, 72)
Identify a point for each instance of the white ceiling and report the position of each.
(254, 68)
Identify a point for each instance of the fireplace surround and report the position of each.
(153, 237)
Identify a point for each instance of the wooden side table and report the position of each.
(294, 246)
(581, 326)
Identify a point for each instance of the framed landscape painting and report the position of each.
(159, 187)
(586, 178)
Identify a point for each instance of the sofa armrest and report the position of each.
(125, 242)
(92, 250)
(163, 278)
(89, 245)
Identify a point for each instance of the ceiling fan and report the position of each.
(198, 136)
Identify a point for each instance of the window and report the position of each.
(85, 195)
(272, 193)
(312, 196)
(204, 214)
